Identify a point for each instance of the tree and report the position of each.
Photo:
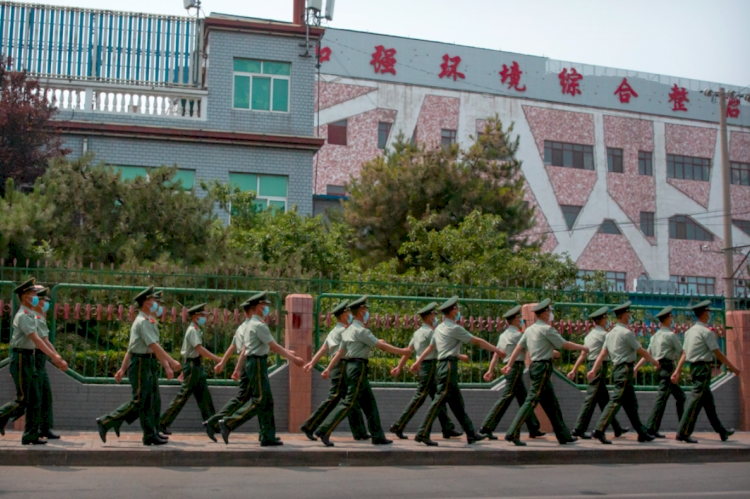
(440, 187)
(27, 138)
(25, 219)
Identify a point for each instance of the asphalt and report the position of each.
(86, 449)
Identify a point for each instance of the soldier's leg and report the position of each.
(512, 380)
(190, 380)
(266, 418)
(610, 410)
(708, 404)
(131, 409)
(537, 374)
(693, 406)
(426, 378)
(23, 377)
(551, 406)
(589, 403)
(532, 423)
(335, 394)
(148, 414)
(369, 406)
(456, 403)
(203, 396)
(441, 398)
(679, 399)
(602, 397)
(660, 405)
(46, 421)
(256, 402)
(356, 374)
(244, 393)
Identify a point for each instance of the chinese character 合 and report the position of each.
(512, 75)
(450, 67)
(569, 81)
(324, 54)
(678, 97)
(625, 91)
(383, 60)
(733, 107)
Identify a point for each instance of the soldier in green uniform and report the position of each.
(623, 348)
(356, 343)
(540, 340)
(427, 375)
(45, 389)
(143, 373)
(338, 379)
(665, 347)
(194, 380)
(596, 391)
(24, 343)
(514, 387)
(447, 340)
(701, 348)
(257, 342)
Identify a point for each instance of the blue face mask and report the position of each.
(366, 317)
(45, 307)
(35, 301)
(458, 315)
(265, 311)
(160, 311)
(523, 323)
(350, 319)
(201, 321)
(434, 322)
(154, 306)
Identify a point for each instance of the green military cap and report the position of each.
(158, 295)
(256, 299)
(427, 309)
(698, 308)
(510, 314)
(359, 303)
(25, 286)
(542, 306)
(144, 295)
(197, 309)
(340, 308)
(664, 313)
(621, 309)
(599, 313)
(448, 304)
(41, 291)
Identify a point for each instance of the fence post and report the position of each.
(298, 337)
(529, 317)
(738, 353)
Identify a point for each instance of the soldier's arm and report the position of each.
(50, 345)
(206, 354)
(387, 347)
(49, 352)
(723, 359)
(427, 351)
(491, 370)
(223, 362)
(170, 365)
(579, 361)
(639, 365)
(569, 345)
(316, 358)
(123, 368)
(647, 356)
(334, 362)
(598, 364)
(401, 363)
(239, 366)
(513, 357)
(288, 354)
(486, 345)
(676, 374)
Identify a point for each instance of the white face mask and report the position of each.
(551, 316)
(434, 321)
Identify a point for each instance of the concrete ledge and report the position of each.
(85, 449)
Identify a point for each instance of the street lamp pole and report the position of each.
(727, 202)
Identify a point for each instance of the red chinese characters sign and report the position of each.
(733, 107)
(450, 68)
(324, 54)
(678, 98)
(569, 81)
(384, 60)
(625, 91)
(512, 76)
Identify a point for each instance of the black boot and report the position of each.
(452, 433)
(537, 434)
(308, 433)
(686, 438)
(727, 433)
(36, 441)
(325, 440)
(225, 431)
(398, 433)
(49, 435)
(154, 441)
(656, 434)
(622, 432)
(381, 441)
(426, 441)
(515, 441)
(487, 433)
(645, 437)
(210, 431)
(272, 443)
(102, 430)
(366, 436)
(582, 434)
(600, 436)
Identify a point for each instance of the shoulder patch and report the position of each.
(152, 321)
(26, 312)
(39, 317)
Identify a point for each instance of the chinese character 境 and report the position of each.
(450, 67)
(625, 91)
(383, 60)
(569, 81)
(512, 75)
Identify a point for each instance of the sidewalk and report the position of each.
(86, 449)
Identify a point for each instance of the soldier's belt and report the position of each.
(39, 353)
(546, 361)
(700, 363)
(258, 356)
(625, 364)
(144, 355)
(196, 361)
(25, 351)
(451, 358)
(359, 361)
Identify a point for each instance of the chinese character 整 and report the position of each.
(450, 67)
(569, 81)
(324, 54)
(678, 97)
(512, 75)
(733, 107)
(625, 91)
(383, 60)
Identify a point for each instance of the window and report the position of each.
(616, 280)
(132, 172)
(742, 288)
(187, 177)
(647, 223)
(740, 173)
(261, 85)
(688, 167)
(335, 190)
(571, 214)
(447, 137)
(682, 227)
(337, 133)
(645, 163)
(609, 227)
(384, 131)
(568, 155)
(271, 190)
(743, 225)
(692, 285)
(614, 160)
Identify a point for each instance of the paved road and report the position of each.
(575, 481)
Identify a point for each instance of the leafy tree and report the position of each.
(27, 138)
(440, 187)
(24, 220)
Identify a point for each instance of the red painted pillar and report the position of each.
(299, 12)
(298, 337)
(527, 312)
(738, 353)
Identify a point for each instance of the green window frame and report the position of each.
(261, 85)
(271, 190)
(132, 172)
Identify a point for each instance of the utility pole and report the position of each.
(727, 200)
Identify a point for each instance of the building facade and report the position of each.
(620, 165)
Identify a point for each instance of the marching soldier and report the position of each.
(45, 389)
(514, 387)
(338, 379)
(143, 373)
(427, 375)
(23, 346)
(701, 348)
(540, 340)
(623, 348)
(257, 341)
(356, 343)
(194, 380)
(596, 391)
(447, 340)
(665, 347)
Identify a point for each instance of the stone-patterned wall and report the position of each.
(693, 141)
(598, 256)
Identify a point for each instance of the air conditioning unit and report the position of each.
(191, 4)
(316, 5)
